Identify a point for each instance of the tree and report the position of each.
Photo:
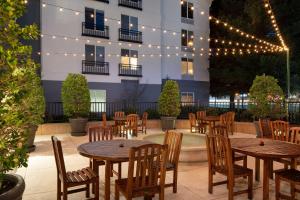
(16, 70)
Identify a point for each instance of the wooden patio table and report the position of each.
(109, 151)
(211, 120)
(270, 150)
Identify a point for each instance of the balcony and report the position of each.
(189, 49)
(135, 4)
(95, 67)
(130, 36)
(104, 1)
(93, 31)
(130, 70)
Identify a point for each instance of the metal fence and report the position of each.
(54, 110)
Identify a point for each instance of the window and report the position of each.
(129, 23)
(129, 57)
(187, 38)
(94, 19)
(98, 100)
(187, 9)
(187, 67)
(94, 53)
(187, 98)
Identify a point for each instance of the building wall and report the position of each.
(156, 13)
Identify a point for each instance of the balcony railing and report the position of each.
(188, 49)
(104, 1)
(92, 30)
(137, 4)
(95, 67)
(130, 36)
(130, 70)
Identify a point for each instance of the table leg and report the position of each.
(266, 179)
(107, 180)
(257, 169)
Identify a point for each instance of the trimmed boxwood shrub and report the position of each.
(76, 96)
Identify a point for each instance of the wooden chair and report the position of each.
(173, 140)
(280, 130)
(100, 134)
(295, 135)
(265, 128)
(119, 124)
(119, 114)
(146, 173)
(231, 119)
(291, 176)
(220, 161)
(104, 121)
(222, 130)
(131, 125)
(85, 176)
(202, 124)
(193, 123)
(142, 127)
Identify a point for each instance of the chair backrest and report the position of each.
(265, 128)
(146, 168)
(295, 135)
(192, 119)
(223, 119)
(280, 130)
(231, 116)
(59, 158)
(104, 121)
(200, 115)
(132, 121)
(119, 114)
(173, 140)
(100, 133)
(220, 130)
(219, 154)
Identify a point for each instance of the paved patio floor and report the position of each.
(40, 176)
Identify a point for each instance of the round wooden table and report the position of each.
(271, 149)
(109, 151)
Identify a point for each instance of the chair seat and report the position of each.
(123, 187)
(83, 175)
(238, 171)
(290, 174)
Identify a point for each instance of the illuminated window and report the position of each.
(187, 38)
(129, 58)
(187, 67)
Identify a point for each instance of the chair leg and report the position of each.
(293, 192)
(230, 191)
(277, 187)
(87, 191)
(162, 194)
(245, 163)
(271, 170)
(65, 193)
(257, 169)
(175, 174)
(210, 181)
(58, 189)
(119, 170)
(97, 189)
(117, 193)
(250, 186)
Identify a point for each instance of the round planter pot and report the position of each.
(16, 191)
(78, 126)
(168, 123)
(31, 135)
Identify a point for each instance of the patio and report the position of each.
(40, 176)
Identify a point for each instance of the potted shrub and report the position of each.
(16, 70)
(266, 98)
(76, 102)
(36, 108)
(169, 105)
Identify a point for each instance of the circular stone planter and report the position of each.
(193, 148)
(17, 190)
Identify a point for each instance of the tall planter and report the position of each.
(15, 187)
(76, 102)
(31, 136)
(169, 105)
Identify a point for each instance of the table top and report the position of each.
(211, 118)
(109, 149)
(270, 149)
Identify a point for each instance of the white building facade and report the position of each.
(126, 48)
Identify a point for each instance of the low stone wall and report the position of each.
(61, 128)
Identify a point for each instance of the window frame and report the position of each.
(186, 5)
